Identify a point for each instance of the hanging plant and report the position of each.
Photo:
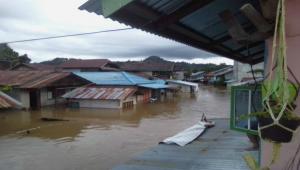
(278, 121)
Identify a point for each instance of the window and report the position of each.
(245, 100)
(49, 95)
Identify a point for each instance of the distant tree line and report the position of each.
(9, 55)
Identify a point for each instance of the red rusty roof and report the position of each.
(100, 93)
(34, 66)
(90, 63)
(146, 66)
(30, 79)
(8, 102)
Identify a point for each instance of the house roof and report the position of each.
(86, 63)
(35, 66)
(203, 24)
(223, 71)
(100, 93)
(198, 73)
(31, 79)
(183, 82)
(113, 78)
(154, 86)
(8, 102)
(146, 66)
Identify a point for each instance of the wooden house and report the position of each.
(184, 86)
(102, 97)
(145, 88)
(88, 65)
(35, 89)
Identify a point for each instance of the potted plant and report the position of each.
(278, 121)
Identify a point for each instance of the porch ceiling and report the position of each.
(193, 22)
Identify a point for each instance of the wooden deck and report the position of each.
(217, 149)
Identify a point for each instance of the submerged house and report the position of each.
(163, 70)
(184, 86)
(221, 76)
(241, 30)
(145, 89)
(102, 97)
(197, 77)
(35, 89)
(88, 65)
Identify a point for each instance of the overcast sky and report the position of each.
(25, 19)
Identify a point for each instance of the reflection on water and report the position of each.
(99, 139)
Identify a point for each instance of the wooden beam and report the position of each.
(238, 33)
(252, 45)
(256, 18)
(269, 8)
(180, 13)
(235, 29)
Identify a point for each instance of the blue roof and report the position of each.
(113, 78)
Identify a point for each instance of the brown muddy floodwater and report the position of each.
(99, 138)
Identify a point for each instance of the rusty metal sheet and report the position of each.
(100, 93)
(8, 102)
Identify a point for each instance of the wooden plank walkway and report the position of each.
(217, 149)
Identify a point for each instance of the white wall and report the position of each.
(108, 104)
(183, 88)
(24, 98)
(242, 70)
(179, 75)
(44, 98)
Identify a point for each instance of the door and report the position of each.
(35, 99)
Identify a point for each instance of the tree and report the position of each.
(8, 54)
(24, 59)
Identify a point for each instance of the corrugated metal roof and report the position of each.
(145, 66)
(199, 26)
(183, 82)
(86, 63)
(31, 79)
(45, 80)
(113, 78)
(8, 102)
(154, 86)
(100, 93)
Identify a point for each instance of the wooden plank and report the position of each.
(235, 29)
(269, 8)
(256, 18)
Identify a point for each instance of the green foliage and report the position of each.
(56, 61)
(8, 54)
(6, 88)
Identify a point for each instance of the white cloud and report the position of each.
(24, 19)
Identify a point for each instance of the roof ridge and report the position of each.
(127, 77)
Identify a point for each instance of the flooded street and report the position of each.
(99, 139)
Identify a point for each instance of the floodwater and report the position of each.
(99, 139)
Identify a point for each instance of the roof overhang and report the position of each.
(228, 28)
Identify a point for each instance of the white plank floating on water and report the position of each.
(188, 135)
